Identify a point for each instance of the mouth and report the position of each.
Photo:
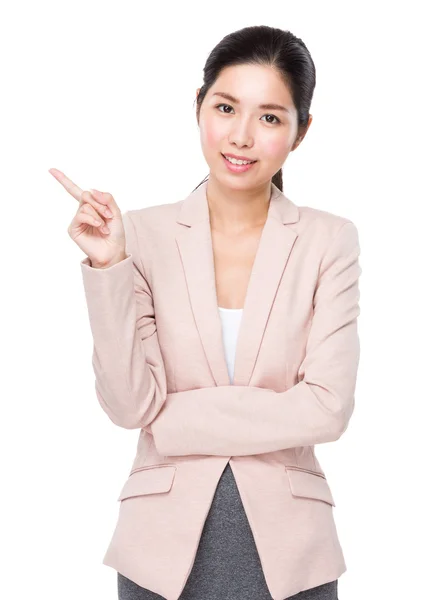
(238, 168)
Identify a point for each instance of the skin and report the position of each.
(238, 202)
(97, 226)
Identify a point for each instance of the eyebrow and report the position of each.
(270, 106)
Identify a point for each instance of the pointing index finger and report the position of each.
(69, 185)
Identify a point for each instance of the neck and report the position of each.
(236, 210)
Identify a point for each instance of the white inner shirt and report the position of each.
(231, 319)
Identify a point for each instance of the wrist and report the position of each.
(114, 261)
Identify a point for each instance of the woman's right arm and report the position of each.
(130, 375)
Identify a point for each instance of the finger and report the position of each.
(69, 185)
(101, 198)
(90, 209)
(83, 217)
(87, 208)
(95, 219)
(107, 199)
(103, 209)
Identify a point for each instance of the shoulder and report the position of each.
(325, 224)
(152, 217)
(147, 229)
(322, 229)
(322, 220)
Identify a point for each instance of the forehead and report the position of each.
(252, 85)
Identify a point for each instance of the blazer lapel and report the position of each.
(196, 250)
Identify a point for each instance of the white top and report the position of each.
(231, 319)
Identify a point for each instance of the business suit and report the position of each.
(160, 367)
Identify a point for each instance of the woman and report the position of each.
(252, 111)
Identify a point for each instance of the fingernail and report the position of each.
(108, 213)
(96, 192)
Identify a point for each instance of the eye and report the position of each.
(268, 115)
(219, 105)
(274, 117)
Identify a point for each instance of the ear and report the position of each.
(301, 136)
(197, 117)
(296, 143)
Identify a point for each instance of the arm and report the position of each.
(245, 420)
(127, 362)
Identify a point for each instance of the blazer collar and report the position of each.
(194, 243)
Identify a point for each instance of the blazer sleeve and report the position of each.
(130, 375)
(243, 420)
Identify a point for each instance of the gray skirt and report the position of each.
(227, 564)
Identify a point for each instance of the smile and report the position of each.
(236, 166)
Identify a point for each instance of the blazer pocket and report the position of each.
(309, 484)
(148, 480)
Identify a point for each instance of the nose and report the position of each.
(240, 134)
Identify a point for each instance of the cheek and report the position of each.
(211, 134)
(276, 148)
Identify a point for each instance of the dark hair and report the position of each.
(268, 46)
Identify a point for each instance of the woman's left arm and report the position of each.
(244, 420)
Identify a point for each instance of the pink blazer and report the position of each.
(159, 363)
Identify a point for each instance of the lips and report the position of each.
(238, 168)
(238, 157)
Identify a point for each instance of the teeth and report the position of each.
(239, 162)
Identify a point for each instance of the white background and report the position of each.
(104, 91)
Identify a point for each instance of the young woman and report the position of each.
(249, 359)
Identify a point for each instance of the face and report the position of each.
(238, 125)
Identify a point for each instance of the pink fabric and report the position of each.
(160, 367)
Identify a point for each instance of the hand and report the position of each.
(97, 226)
